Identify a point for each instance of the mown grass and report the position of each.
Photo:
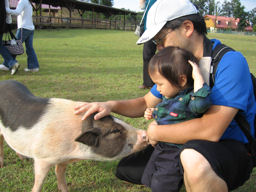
(91, 65)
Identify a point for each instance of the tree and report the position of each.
(205, 7)
(227, 9)
(103, 2)
(239, 12)
(201, 5)
(107, 2)
(235, 9)
(218, 8)
(211, 7)
(252, 18)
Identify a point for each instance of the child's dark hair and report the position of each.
(172, 62)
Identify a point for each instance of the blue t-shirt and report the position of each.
(232, 88)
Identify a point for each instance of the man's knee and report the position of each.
(198, 173)
(195, 165)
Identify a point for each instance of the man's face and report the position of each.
(168, 37)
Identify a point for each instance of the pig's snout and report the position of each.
(142, 140)
(142, 136)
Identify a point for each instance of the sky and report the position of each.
(133, 5)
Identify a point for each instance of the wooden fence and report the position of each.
(66, 22)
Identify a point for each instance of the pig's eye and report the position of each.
(112, 134)
(115, 131)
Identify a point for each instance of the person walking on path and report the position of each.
(25, 32)
(9, 63)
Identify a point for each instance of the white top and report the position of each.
(24, 10)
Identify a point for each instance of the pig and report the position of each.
(48, 131)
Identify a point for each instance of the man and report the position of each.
(214, 155)
(149, 48)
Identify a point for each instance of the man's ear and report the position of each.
(188, 27)
(183, 80)
(90, 137)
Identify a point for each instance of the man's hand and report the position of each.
(150, 133)
(101, 108)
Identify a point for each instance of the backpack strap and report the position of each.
(217, 54)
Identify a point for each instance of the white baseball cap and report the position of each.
(163, 11)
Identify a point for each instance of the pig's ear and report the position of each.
(90, 137)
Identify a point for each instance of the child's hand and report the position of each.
(197, 76)
(196, 70)
(148, 113)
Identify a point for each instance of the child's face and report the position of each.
(163, 85)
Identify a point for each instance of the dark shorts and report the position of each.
(228, 158)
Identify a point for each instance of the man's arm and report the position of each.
(18, 9)
(129, 108)
(135, 107)
(210, 126)
(142, 4)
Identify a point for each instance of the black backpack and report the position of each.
(216, 55)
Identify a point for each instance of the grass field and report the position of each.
(91, 65)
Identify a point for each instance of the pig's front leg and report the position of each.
(41, 169)
(60, 170)
(1, 150)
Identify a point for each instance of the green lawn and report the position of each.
(91, 65)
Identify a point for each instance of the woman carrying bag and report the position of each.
(10, 63)
(25, 32)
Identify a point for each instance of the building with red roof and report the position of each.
(223, 23)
